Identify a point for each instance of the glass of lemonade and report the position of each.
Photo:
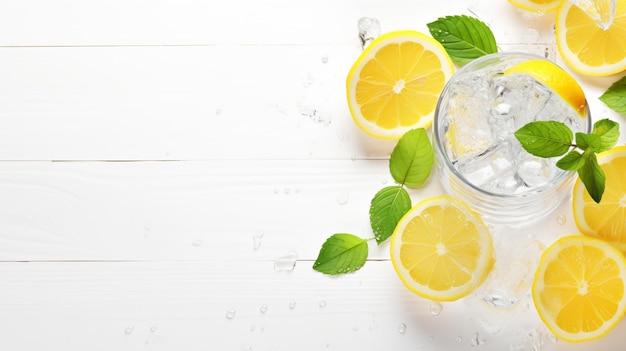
(478, 156)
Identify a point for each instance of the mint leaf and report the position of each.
(412, 158)
(615, 96)
(571, 162)
(609, 134)
(387, 208)
(464, 38)
(592, 176)
(545, 138)
(341, 253)
(588, 141)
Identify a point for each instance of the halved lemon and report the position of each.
(394, 85)
(606, 220)
(536, 5)
(441, 249)
(579, 288)
(586, 47)
(556, 79)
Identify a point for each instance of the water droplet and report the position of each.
(263, 308)
(561, 219)
(435, 308)
(476, 341)
(343, 135)
(343, 198)
(287, 191)
(292, 305)
(197, 242)
(322, 304)
(286, 263)
(153, 328)
(230, 314)
(297, 190)
(355, 328)
(246, 348)
(129, 329)
(256, 240)
(324, 59)
(402, 328)
(384, 181)
(252, 327)
(276, 191)
(459, 338)
(218, 111)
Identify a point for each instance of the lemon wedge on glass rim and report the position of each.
(557, 79)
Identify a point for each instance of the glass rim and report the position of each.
(560, 178)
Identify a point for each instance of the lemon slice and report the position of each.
(555, 78)
(579, 288)
(394, 85)
(536, 5)
(606, 220)
(441, 249)
(585, 46)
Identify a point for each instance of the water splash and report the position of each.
(286, 263)
(257, 240)
(369, 29)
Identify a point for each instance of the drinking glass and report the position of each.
(478, 157)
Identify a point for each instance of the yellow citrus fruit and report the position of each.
(606, 220)
(441, 249)
(536, 5)
(586, 47)
(394, 85)
(579, 288)
(555, 78)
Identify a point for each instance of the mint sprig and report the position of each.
(464, 38)
(410, 164)
(552, 139)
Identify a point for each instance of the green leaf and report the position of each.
(545, 138)
(341, 253)
(592, 176)
(464, 38)
(412, 159)
(588, 141)
(609, 134)
(615, 96)
(571, 162)
(387, 208)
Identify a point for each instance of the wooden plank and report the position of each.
(197, 22)
(185, 103)
(164, 103)
(206, 210)
(184, 305)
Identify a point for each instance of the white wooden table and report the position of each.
(161, 160)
